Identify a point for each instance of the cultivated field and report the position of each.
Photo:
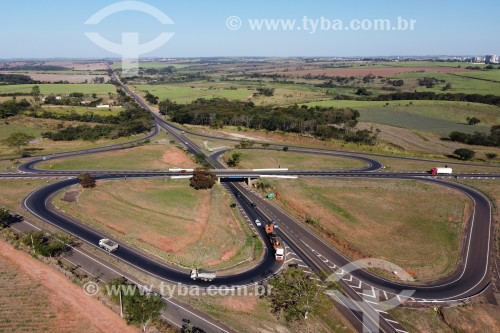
(34, 298)
(167, 218)
(400, 221)
(261, 159)
(59, 88)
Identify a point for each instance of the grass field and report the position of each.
(150, 157)
(459, 83)
(397, 220)
(168, 219)
(12, 191)
(261, 159)
(251, 314)
(440, 117)
(493, 75)
(40, 145)
(46, 89)
(474, 317)
(83, 110)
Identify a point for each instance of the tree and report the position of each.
(202, 179)
(294, 294)
(363, 92)
(18, 140)
(473, 121)
(35, 92)
(235, 159)
(143, 309)
(285, 148)
(464, 154)
(86, 180)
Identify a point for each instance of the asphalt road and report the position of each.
(470, 277)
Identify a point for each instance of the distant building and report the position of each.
(477, 60)
(491, 59)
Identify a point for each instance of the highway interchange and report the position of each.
(470, 278)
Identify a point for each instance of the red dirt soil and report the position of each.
(69, 299)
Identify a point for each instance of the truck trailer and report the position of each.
(279, 251)
(201, 274)
(441, 171)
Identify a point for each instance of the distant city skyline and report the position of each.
(223, 28)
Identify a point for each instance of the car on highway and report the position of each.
(183, 171)
(258, 223)
(253, 204)
(275, 225)
(108, 245)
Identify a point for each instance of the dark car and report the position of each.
(253, 204)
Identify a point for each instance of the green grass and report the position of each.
(459, 84)
(358, 216)
(83, 110)
(261, 159)
(185, 94)
(59, 88)
(493, 75)
(439, 117)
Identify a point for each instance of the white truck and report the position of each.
(441, 171)
(108, 245)
(200, 274)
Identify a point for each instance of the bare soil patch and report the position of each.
(70, 196)
(33, 297)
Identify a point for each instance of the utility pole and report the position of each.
(121, 304)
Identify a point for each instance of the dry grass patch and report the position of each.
(12, 191)
(167, 218)
(401, 221)
(251, 159)
(150, 157)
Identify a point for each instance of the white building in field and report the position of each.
(491, 59)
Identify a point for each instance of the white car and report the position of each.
(108, 245)
(258, 223)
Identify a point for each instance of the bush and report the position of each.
(464, 154)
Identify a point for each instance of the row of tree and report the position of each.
(133, 120)
(324, 122)
(479, 139)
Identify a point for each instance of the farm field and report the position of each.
(34, 298)
(459, 83)
(439, 117)
(493, 75)
(359, 216)
(82, 110)
(59, 88)
(262, 159)
(168, 219)
(150, 157)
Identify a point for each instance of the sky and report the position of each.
(212, 28)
